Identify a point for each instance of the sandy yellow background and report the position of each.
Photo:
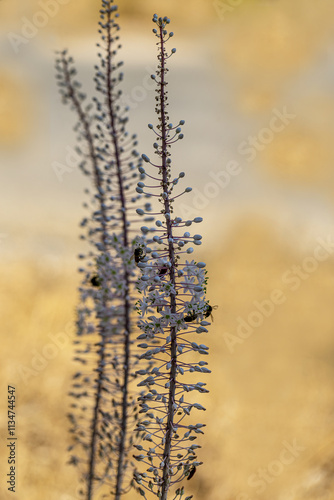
(236, 63)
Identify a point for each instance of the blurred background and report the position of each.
(254, 80)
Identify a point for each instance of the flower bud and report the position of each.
(145, 157)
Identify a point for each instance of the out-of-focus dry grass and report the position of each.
(266, 42)
(275, 387)
(36, 302)
(266, 46)
(278, 383)
(14, 113)
(74, 18)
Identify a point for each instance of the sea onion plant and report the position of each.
(104, 413)
(174, 288)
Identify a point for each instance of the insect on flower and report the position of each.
(95, 281)
(190, 317)
(191, 473)
(162, 271)
(139, 255)
(208, 311)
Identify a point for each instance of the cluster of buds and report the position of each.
(173, 309)
(104, 410)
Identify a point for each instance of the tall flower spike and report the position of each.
(175, 288)
(104, 411)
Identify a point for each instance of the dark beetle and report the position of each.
(139, 255)
(208, 311)
(191, 473)
(95, 281)
(190, 317)
(162, 272)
